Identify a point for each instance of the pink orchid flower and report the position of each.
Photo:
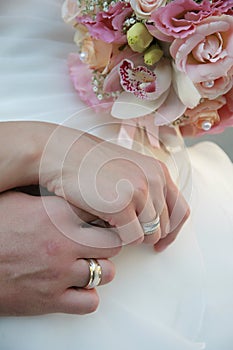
(165, 92)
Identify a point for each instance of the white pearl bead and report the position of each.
(83, 56)
(208, 84)
(206, 125)
(132, 20)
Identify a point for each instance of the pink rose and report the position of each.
(143, 8)
(81, 77)
(211, 89)
(107, 25)
(222, 6)
(207, 54)
(178, 19)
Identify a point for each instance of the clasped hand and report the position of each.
(42, 271)
(44, 240)
(120, 186)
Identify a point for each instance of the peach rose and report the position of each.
(205, 107)
(143, 8)
(95, 53)
(203, 117)
(207, 54)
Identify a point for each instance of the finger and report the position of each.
(128, 226)
(179, 212)
(176, 204)
(92, 241)
(147, 215)
(164, 222)
(170, 238)
(177, 207)
(80, 273)
(153, 238)
(96, 242)
(82, 214)
(163, 229)
(77, 301)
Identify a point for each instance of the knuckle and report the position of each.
(53, 247)
(141, 190)
(46, 292)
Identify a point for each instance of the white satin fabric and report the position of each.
(180, 299)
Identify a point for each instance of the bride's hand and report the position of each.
(118, 185)
(43, 251)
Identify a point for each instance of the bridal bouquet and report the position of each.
(169, 59)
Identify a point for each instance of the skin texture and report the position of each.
(120, 186)
(44, 241)
(42, 270)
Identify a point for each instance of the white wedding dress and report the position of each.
(180, 299)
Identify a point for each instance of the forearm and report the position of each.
(19, 155)
(24, 144)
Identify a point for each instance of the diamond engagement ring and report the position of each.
(150, 227)
(95, 274)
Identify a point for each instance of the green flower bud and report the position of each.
(139, 37)
(153, 55)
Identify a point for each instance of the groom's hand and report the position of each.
(43, 246)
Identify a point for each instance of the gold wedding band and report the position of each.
(95, 274)
(150, 227)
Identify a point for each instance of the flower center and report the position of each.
(210, 49)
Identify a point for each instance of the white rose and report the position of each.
(70, 10)
(143, 8)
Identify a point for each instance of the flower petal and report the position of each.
(139, 81)
(185, 89)
(163, 74)
(128, 106)
(170, 110)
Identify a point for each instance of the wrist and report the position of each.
(18, 155)
(21, 149)
(61, 157)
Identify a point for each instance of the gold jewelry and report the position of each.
(95, 274)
